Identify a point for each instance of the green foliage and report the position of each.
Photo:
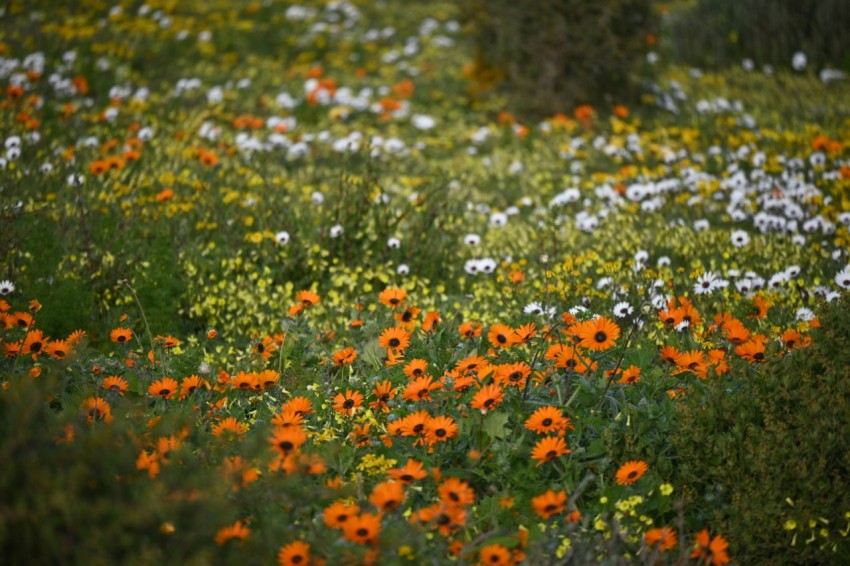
(723, 32)
(554, 54)
(767, 457)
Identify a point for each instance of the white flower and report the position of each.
(402, 269)
(487, 265)
(471, 267)
(707, 283)
(533, 308)
(472, 239)
(394, 243)
(623, 309)
(422, 121)
(336, 231)
(498, 219)
(804, 315)
(740, 238)
(282, 237)
(317, 197)
(799, 61)
(663, 261)
(6, 287)
(76, 180)
(701, 224)
(842, 278)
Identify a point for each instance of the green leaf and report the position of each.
(494, 425)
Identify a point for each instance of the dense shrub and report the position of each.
(723, 32)
(768, 457)
(554, 54)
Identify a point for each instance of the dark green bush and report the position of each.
(555, 54)
(767, 457)
(723, 32)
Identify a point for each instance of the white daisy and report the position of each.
(402, 269)
(472, 239)
(740, 238)
(623, 309)
(282, 237)
(336, 231)
(394, 243)
(6, 287)
(842, 278)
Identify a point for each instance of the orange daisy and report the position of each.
(630, 472)
(549, 448)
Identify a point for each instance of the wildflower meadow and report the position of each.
(306, 283)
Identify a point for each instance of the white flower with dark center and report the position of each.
(282, 237)
(6, 287)
(740, 238)
(317, 197)
(706, 283)
(842, 278)
(402, 269)
(487, 265)
(623, 309)
(498, 219)
(663, 261)
(472, 239)
(471, 267)
(76, 180)
(335, 231)
(533, 308)
(394, 243)
(804, 314)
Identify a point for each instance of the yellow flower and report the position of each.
(666, 489)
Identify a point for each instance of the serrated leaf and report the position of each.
(494, 425)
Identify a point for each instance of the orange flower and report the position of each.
(121, 335)
(392, 297)
(164, 388)
(190, 384)
(116, 384)
(97, 409)
(58, 349)
(33, 343)
(307, 298)
(630, 375)
(549, 448)
(512, 374)
(432, 320)
(387, 496)
(395, 338)
(294, 554)
(339, 513)
(662, 539)
(384, 391)
(440, 429)
(495, 555)
(713, 552)
(546, 420)
(456, 492)
(447, 519)
(420, 389)
(502, 336)
(630, 472)
(348, 403)
(598, 335)
(407, 318)
(413, 424)
(413, 470)
(235, 531)
(229, 426)
(753, 350)
(549, 503)
(286, 440)
(362, 529)
(345, 357)
(299, 405)
(488, 398)
(470, 329)
(415, 368)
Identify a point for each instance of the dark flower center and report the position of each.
(394, 342)
(633, 474)
(286, 446)
(361, 532)
(440, 432)
(600, 337)
(348, 404)
(547, 422)
(164, 392)
(501, 339)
